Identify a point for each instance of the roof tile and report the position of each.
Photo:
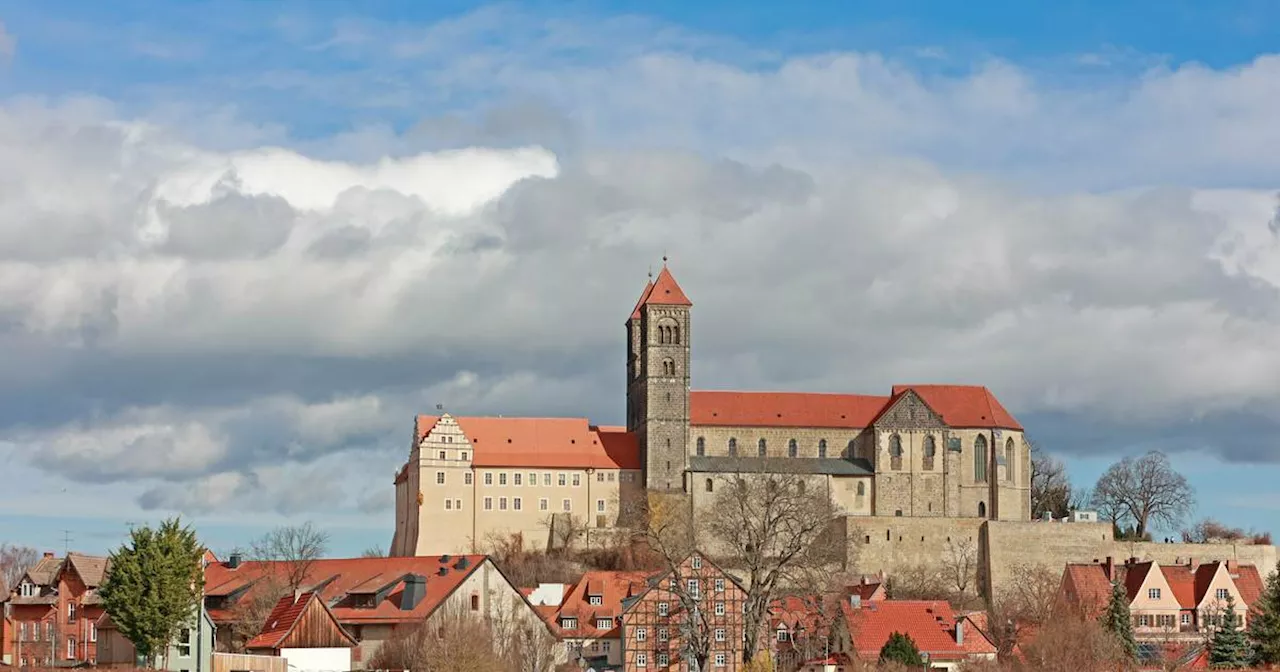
(543, 442)
(666, 291)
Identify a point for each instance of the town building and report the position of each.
(303, 630)
(946, 641)
(54, 609)
(941, 451)
(369, 597)
(1182, 598)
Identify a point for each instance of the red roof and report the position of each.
(543, 442)
(611, 588)
(648, 287)
(284, 617)
(963, 405)
(783, 409)
(1249, 583)
(1134, 576)
(334, 579)
(1183, 584)
(930, 623)
(1090, 590)
(665, 292)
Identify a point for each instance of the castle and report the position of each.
(922, 451)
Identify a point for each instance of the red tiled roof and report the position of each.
(1091, 589)
(543, 442)
(1135, 575)
(930, 623)
(963, 405)
(339, 576)
(1183, 584)
(1249, 583)
(648, 287)
(666, 292)
(612, 588)
(975, 634)
(1204, 576)
(783, 409)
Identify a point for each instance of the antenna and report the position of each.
(66, 542)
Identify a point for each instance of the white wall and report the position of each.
(318, 660)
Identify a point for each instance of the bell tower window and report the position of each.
(702, 446)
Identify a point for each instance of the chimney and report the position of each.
(855, 601)
(1191, 562)
(415, 588)
(48, 554)
(1233, 566)
(960, 632)
(1110, 568)
(233, 561)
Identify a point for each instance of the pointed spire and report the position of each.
(648, 287)
(666, 291)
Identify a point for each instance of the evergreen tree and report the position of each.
(1264, 624)
(1116, 620)
(1229, 648)
(154, 586)
(901, 649)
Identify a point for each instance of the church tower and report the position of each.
(658, 380)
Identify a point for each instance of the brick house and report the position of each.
(54, 609)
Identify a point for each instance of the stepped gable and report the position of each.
(783, 409)
(543, 442)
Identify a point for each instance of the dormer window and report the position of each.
(604, 623)
(594, 600)
(569, 623)
(27, 589)
(364, 601)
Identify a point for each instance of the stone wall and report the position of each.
(892, 544)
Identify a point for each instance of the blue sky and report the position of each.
(243, 243)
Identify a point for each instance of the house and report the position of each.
(54, 609)
(1183, 598)
(369, 597)
(303, 630)
(191, 650)
(589, 617)
(943, 639)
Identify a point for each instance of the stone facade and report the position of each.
(658, 391)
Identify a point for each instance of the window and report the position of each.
(564, 480)
(711, 486)
(439, 478)
(502, 503)
(719, 608)
(457, 505)
(546, 478)
(982, 509)
(980, 459)
(642, 659)
(441, 455)
(930, 451)
(71, 612)
(720, 634)
(594, 600)
(577, 480)
(719, 585)
(48, 633)
(599, 477)
(605, 646)
(668, 368)
(702, 446)
(1010, 474)
(850, 451)
(184, 642)
(1186, 618)
(663, 660)
(692, 586)
(720, 660)
(1222, 593)
(71, 647)
(448, 505)
(542, 504)
(27, 589)
(569, 623)
(822, 448)
(604, 623)
(762, 448)
(782, 635)
(895, 452)
(466, 478)
(663, 635)
(1153, 594)
(533, 479)
(515, 478)
(641, 634)
(696, 562)
(664, 609)
(502, 478)
(611, 477)
(488, 478)
(516, 503)
(793, 449)
(465, 455)
(22, 631)
(488, 503)
(568, 505)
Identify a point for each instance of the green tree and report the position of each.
(901, 649)
(154, 586)
(1264, 626)
(1229, 648)
(1116, 620)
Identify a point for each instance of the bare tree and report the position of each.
(297, 546)
(1146, 491)
(565, 530)
(14, 562)
(1050, 486)
(1023, 603)
(250, 611)
(373, 552)
(776, 529)
(451, 641)
(1074, 645)
(960, 564)
(669, 531)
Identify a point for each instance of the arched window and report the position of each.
(1008, 461)
(980, 460)
(733, 447)
(822, 447)
(702, 446)
(668, 367)
(763, 448)
(850, 450)
(862, 488)
(710, 486)
(675, 334)
(895, 452)
(792, 449)
(930, 451)
(982, 509)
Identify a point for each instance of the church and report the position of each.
(919, 451)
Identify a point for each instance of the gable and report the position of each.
(909, 411)
(1146, 581)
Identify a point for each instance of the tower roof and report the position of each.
(648, 287)
(666, 291)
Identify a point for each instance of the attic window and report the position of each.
(27, 589)
(594, 600)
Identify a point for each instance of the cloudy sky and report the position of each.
(241, 244)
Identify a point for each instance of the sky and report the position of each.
(243, 243)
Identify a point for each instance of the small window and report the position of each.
(733, 447)
(782, 635)
(702, 446)
(793, 449)
(1186, 618)
(442, 455)
(895, 452)
(720, 660)
(719, 608)
(502, 503)
(862, 489)
(1222, 593)
(642, 659)
(720, 634)
(577, 480)
(542, 504)
(439, 478)
(564, 480)
(604, 623)
(71, 647)
(466, 478)
(488, 503)
(719, 585)
(71, 612)
(475, 603)
(599, 477)
(822, 448)
(516, 503)
(515, 478)
(533, 479)
(611, 477)
(569, 623)
(465, 455)
(1153, 594)
(663, 635)
(763, 448)
(600, 508)
(502, 478)
(642, 634)
(568, 505)
(664, 609)
(696, 562)
(691, 587)
(663, 660)
(982, 509)
(457, 505)
(850, 450)
(488, 478)
(28, 589)
(710, 485)
(546, 479)
(448, 505)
